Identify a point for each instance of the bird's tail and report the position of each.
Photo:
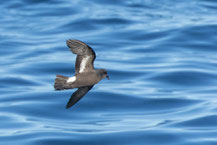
(60, 83)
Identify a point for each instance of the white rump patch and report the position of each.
(84, 63)
(71, 79)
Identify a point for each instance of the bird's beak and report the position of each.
(107, 77)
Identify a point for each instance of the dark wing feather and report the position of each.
(77, 95)
(85, 55)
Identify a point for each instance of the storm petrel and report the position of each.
(85, 75)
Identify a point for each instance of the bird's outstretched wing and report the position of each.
(77, 95)
(85, 55)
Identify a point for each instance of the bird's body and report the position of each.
(79, 80)
(85, 76)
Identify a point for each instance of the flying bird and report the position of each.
(85, 75)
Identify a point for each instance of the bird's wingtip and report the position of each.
(68, 106)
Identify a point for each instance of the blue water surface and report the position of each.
(161, 57)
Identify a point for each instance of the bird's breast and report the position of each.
(86, 79)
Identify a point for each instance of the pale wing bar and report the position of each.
(85, 55)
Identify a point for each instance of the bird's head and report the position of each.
(103, 73)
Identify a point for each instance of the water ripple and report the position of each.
(161, 59)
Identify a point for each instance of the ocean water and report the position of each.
(161, 57)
